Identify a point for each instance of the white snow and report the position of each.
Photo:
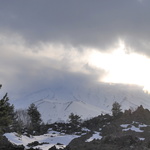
(94, 136)
(85, 129)
(59, 111)
(143, 125)
(142, 139)
(124, 125)
(132, 127)
(50, 138)
(85, 100)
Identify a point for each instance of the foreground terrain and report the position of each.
(128, 130)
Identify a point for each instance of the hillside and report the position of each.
(59, 111)
(127, 131)
(85, 100)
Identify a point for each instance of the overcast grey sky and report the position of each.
(49, 43)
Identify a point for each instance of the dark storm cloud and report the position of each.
(88, 23)
(23, 71)
(25, 25)
(28, 78)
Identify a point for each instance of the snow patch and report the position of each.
(131, 127)
(94, 136)
(52, 138)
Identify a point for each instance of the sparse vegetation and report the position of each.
(74, 119)
(35, 119)
(35, 143)
(6, 114)
(128, 130)
(116, 109)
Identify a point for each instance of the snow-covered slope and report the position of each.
(55, 111)
(86, 100)
(50, 139)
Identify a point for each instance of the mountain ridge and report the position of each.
(60, 111)
(99, 97)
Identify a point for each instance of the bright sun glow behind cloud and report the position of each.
(123, 67)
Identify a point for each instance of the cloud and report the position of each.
(27, 68)
(141, 1)
(80, 23)
(46, 42)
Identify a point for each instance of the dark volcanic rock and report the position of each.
(6, 145)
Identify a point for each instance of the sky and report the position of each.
(51, 43)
